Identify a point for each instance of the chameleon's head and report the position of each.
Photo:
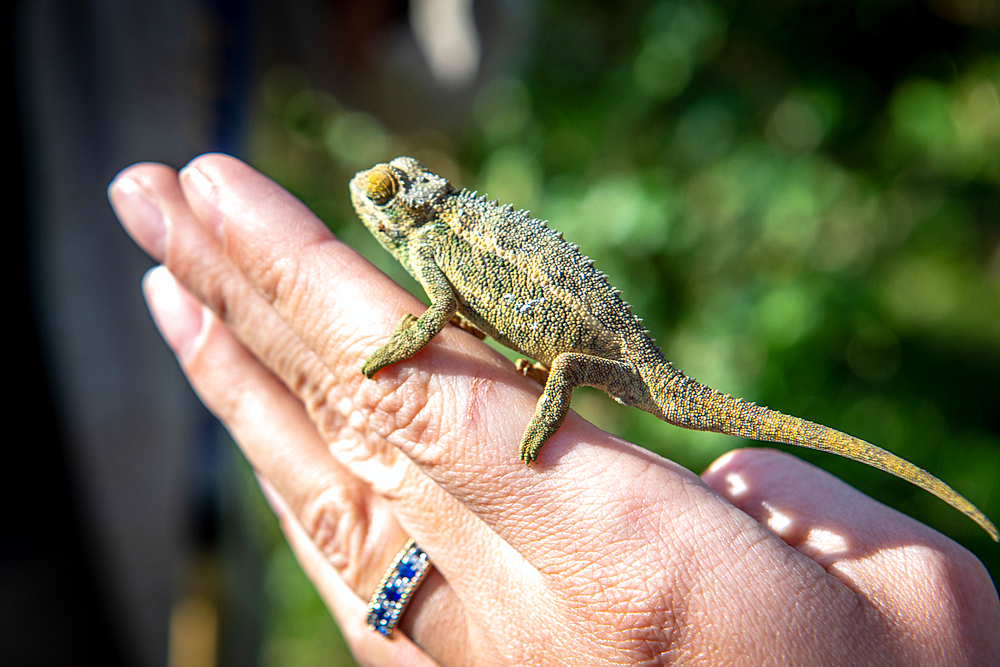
(394, 199)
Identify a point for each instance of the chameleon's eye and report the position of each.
(381, 186)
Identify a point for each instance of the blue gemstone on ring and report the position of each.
(391, 597)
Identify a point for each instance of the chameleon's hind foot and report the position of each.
(464, 324)
(550, 412)
(532, 441)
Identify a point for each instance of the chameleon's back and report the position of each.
(529, 288)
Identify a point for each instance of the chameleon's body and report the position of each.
(513, 278)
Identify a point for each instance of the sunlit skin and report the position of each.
(602, 554)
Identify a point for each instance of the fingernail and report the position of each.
(178, 315)
(143, 221)
(205, 187)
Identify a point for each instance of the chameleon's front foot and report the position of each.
(395, 350)
(372, 366)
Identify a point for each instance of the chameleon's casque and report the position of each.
(509, 276)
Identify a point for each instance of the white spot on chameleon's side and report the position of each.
(528, 305)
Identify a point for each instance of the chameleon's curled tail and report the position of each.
(690, 404)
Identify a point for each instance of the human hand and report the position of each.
(600, 553)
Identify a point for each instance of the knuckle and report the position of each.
(402, 405)
(434, 417)
(333, 519)
(358, 539)
(276, 279)
(344, 529)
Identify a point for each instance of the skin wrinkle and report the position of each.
(709, 602)
(384, 404)
(419, 394)
(641, 631)
(279, 280)
(325, 413)
(312, 387)
(399, 411)
(609, 591)
(366, 445)
(419, 403)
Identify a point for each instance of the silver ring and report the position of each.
(389, 600)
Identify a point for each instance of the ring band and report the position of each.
(398, 583)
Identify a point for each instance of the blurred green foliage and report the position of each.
(801, 199)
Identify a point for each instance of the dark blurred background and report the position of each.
(799, 197)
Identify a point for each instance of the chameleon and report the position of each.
(498, 272)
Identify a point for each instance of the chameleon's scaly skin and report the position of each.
(511, 277)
